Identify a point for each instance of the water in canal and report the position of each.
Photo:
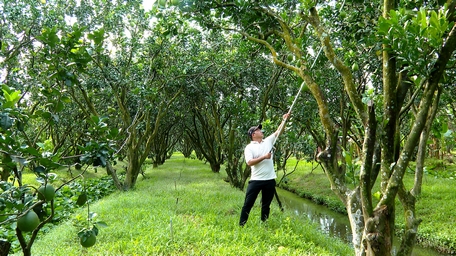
(330, 222)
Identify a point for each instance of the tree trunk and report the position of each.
(408, 201)
(130, 177)
(379, 232)
(111, 171)
(4, 247)
(355, 216)
(133, 169)
(234, 158)
(215, 167)
(421, 155)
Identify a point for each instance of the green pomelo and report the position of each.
(46, 192)
(28, 222)
(89, 240)
(162, 3)
(342, 15)
(355, 67)
(290, 57)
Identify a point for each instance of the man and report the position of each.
(259, 156)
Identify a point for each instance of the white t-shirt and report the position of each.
(263, 170)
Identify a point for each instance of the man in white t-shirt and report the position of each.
(258, 155)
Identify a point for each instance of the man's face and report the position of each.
(258, 133)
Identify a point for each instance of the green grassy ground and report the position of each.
(435, 206)
(64, 175)
(182, 208)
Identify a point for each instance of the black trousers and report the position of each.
(267, 188)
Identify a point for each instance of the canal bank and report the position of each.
(330, 222)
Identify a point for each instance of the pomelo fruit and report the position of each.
(46, 193)
(28, 222)
(88, 239)
(355, 67)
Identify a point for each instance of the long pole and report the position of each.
(284, 121)
(296, 97)
(289, 112)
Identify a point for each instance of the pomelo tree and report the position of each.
(403, 65)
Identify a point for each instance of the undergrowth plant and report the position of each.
(65, 202)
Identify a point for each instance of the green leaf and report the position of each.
(97, 36)
(86, 158)
(101, 224)
(434, 20)
(31, 150)
(82, 199)
(5, 121)
(383, 26)
(46, 115)
(394, 17)
(6, 88)
(448, 134)
(49, 164)
(49, 36)
(66, 99)
(95, 119)
(422, 16)
(39, 169)
(348, 158)
(59, 106)
(11, 97)
(95, 230)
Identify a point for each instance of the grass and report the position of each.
(182, 208)
(435, 205)
(63, 175)
(436, 208)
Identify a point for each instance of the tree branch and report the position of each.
(345, 72)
